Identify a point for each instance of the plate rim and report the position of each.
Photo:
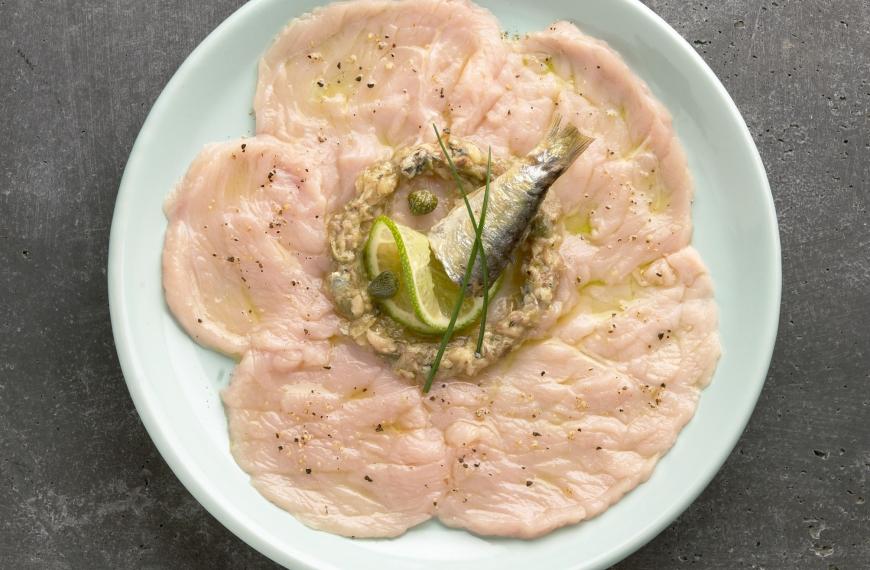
(236, 521)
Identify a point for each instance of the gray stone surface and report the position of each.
(82, 486)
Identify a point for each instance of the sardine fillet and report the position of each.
(512, 201)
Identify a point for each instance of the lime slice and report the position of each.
(383, 252)
(426, 296)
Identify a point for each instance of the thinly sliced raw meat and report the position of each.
(552, 434)
(245, 250)
(566, 426)
(336, 439)
(359, 79)
(627, 199)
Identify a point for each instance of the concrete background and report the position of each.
(82, 486)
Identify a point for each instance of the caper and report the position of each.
(384, 286)
(422, 202)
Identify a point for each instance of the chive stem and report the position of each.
(476, 248)
(455, 173)
(485, 271)
(430, 377)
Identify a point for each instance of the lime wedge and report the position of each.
(426, 295)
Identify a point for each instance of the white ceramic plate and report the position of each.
(175, 383)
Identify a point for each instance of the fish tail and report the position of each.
(564, 143)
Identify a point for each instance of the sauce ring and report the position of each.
(516, 315)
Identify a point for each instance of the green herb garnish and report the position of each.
(476, 248)
(485, 270)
